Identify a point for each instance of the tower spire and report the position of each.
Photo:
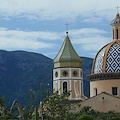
(116, 26)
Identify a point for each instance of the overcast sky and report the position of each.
(39, 25)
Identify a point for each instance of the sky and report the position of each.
(39, 25)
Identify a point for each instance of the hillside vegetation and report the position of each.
(22, 71)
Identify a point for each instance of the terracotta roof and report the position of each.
(99, 95)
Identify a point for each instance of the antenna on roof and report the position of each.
(117, 9)
(67, 27)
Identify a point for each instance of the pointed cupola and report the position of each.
(116, 28)
(67, 56)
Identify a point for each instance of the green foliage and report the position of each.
(4, 110)
(53, 107)
(115, 118)
(86, 117)
(35, 115)
(111, 115)
(2, 101)
(56, 106)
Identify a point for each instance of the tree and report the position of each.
(21, 117)
(4, 111)
(56, 107)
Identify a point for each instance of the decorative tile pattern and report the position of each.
(113, 59)
(67, 53)
(99, 61)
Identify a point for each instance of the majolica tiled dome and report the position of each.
(106, 64)
(107, 59)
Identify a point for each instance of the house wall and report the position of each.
(103, 103)
(104, 86)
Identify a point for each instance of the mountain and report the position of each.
(21, 71)
(86, 66)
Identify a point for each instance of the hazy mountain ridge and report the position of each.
(86, 66)
(21, 71)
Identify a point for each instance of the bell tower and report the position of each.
(116, 28)
(67, 73)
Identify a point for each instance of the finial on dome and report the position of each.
(117, 9)
(67, 27)
(117, 15)
(117, 18)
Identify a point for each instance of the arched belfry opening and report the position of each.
(64, 87)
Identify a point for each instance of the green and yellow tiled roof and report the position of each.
(67, 56)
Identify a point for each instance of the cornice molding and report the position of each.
(104, 76)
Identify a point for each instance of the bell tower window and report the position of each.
(117, 33)
(64, 87)
(113, 34)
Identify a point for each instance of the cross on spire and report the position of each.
(117, 9)
(67, 27)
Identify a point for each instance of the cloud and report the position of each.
(94, 43)
(90, 39)
(18, 39)
(45, 35)
(55, 9)
(92, 20)
(86, 32)
(50, 53)
(87, 39)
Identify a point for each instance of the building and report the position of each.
(105, 76)
(67, 73)
(102, 102)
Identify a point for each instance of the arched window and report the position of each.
(113, 34)
(117, 33)
(64, 87)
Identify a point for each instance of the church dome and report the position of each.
(105, 76)
(107, 59)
